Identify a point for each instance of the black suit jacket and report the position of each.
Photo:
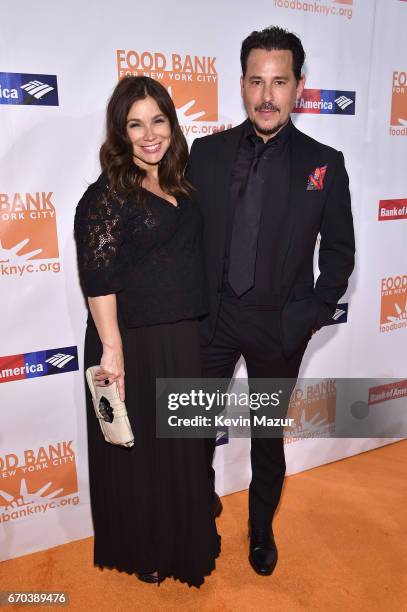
(303, 304)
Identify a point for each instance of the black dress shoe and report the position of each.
(217, 506)
(263, 550)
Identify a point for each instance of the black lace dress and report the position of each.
(151, 504)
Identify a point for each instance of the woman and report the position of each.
(138, 241)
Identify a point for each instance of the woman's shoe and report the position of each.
(150, 578)
(217, 506)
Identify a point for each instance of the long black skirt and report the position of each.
(151, 504)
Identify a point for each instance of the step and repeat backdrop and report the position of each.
(58, 66)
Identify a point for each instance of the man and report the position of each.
(266, 191)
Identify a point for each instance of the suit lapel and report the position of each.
(300, 164)
(224, 160)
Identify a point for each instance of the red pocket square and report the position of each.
(316, 179)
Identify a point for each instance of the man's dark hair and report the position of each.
(270, 39)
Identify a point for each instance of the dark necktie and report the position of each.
(245, 232)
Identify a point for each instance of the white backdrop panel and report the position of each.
(54, 150)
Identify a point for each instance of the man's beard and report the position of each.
(267, 131)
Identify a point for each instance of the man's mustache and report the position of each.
(267, 106)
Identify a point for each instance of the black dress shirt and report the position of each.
(274, 173)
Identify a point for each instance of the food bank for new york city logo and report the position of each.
(393, 311)
(313, 409)
(28, 232)
(398, 117)
(191, 80)
(36, 476)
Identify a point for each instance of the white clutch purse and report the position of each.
(110, 411)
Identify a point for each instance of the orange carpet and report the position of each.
(341, 532)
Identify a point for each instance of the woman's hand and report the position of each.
(104, 313)
(111, 369)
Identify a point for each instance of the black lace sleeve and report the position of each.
(99, 234)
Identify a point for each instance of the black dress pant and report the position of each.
(255, 335)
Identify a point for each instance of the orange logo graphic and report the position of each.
(191, 80)
(37, 480)
(393, 312)
(28, 232)
(313, 409)
(399, 104)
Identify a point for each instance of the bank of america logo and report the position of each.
(28, 89)
(222, 436)
(39, 363)
(343, 102)
(340, 315)
(326, 102)
(59, 360)
(37, 89)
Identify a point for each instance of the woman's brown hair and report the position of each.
(116, 153)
